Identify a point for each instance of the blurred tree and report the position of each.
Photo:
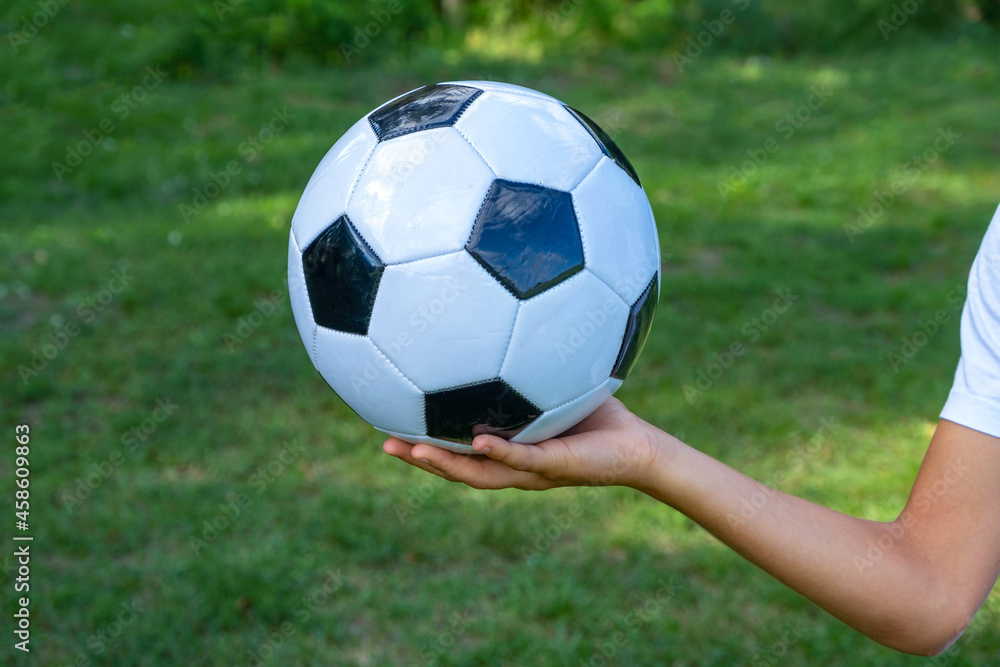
(227, 37)
(454, 11)
(989, 10)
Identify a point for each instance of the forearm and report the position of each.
(930, 570)
(823, 554)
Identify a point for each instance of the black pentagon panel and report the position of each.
(527, 237)
(428, 107)
(342, 276)
(607, 144)
(640, 320)
(492, 407)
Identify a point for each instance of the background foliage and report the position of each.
(223, 37)
(336, 554)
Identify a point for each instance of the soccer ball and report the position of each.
(474, 257)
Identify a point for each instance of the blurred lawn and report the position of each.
(340, 555)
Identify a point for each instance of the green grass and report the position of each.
(410, 552)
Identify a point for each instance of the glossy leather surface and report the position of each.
(607, 144)
(299, 297)
(472, 252)
(656, 235)
(530, 139)
(325, 196)
(368, 383)
(527, 237)
(639, 323)
(443, 321)
(550, 424)
(558, 420)
(487, 407)
(565, 341)
(419, 195)
(618, 231)
(428, 107)
(342, 277)
(497, 87)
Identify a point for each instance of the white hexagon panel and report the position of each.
(325, 196)
(542, 142)
(391, 204)
(623, 256)
(474, 257)
(566, 341)
(443, 321)
(368, 381)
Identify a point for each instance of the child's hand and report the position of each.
(610, 447)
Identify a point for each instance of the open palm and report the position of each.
(611, 446)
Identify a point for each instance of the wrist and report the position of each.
(657, 450)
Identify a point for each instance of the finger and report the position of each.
(403, 451)
(478, 472)
(527, 458)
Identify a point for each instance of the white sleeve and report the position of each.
(974, 400)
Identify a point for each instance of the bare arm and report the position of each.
(912, 584)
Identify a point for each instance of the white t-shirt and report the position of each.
(975, 397)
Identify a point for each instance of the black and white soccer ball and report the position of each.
(474, 257)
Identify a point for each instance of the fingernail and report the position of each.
(424, 461)
(485, 450)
